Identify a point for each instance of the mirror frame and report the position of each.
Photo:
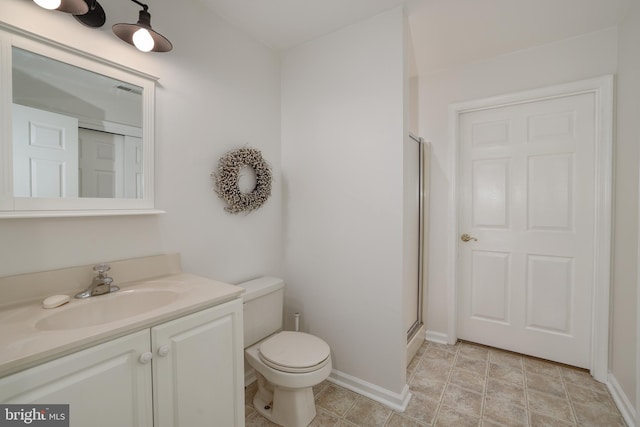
(27, 207)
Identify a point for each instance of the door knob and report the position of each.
(466, 238)
(163, 351)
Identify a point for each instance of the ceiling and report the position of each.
(444, 32)
(282, 24)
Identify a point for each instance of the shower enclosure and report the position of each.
(414, 293)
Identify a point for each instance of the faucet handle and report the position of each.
(101, 269)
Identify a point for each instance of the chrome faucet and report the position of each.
(101, 284)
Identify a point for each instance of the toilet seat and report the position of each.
(294, 352)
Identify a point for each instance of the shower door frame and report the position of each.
(413, 330)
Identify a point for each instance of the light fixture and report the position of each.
(94, 18)
(91, 14)
(88, 12)
(141, 35)
(78, 7)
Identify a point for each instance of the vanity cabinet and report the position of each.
(105, 385)
(185, 372)
(198, 369)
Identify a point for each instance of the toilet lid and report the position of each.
(294, 352)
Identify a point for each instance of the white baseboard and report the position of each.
(414, 344)
(396, 401)
(622, 401)
(437, 337)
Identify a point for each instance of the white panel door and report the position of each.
(101, 164)
(133, 168)
(45, 153)
(527, 195)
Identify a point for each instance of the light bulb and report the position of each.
(142, 40)
(48, 4)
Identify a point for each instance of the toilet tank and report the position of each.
(262, 305)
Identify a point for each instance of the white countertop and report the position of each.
(23, 344)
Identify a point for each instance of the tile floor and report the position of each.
(471, 385)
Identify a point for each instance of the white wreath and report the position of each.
(226, 180)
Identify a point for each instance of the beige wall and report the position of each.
(218, 90)
(342, 155)
(625, 258)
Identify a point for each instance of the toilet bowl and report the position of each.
(285, 384)
(287, 364)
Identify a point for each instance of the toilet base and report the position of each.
(282, 406)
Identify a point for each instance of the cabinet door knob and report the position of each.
(163, 350)
(145, 357)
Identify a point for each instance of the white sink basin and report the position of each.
(103, 309)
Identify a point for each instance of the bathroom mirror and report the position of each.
(77, 134)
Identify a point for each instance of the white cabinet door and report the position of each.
(198, 369)
(105, 386)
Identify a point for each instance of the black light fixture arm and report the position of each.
(144, 17)
(144, 6)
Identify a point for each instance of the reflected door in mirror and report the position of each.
(110, 165)
(45, 153)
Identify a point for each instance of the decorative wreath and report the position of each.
(226, 180)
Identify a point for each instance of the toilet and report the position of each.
(287, 364)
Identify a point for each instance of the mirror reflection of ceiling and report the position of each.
(54, 86)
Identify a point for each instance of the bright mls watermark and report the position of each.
(34, 415)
